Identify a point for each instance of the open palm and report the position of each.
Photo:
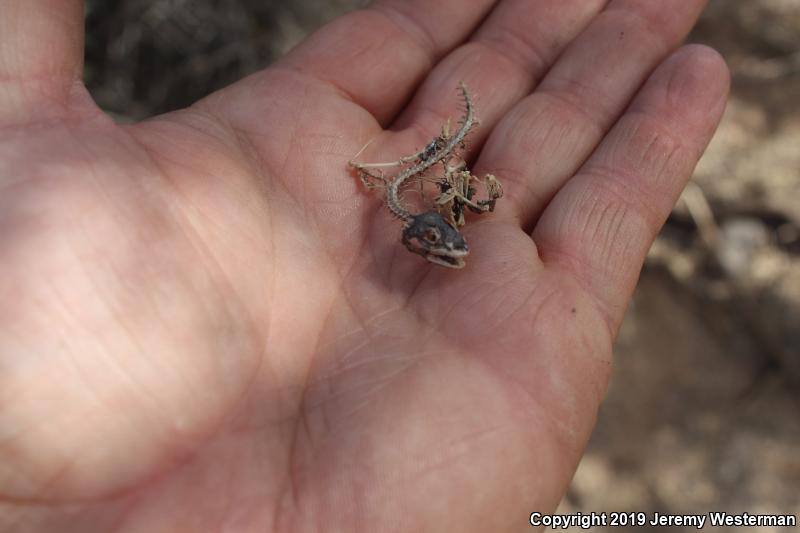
(208, 324)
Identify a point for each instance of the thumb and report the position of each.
(41, 38)
(41, 52)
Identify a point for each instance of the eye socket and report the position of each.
(431, 235)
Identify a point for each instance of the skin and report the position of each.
(208, 325)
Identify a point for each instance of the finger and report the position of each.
(41, 39)
(517, 43)
(376, 56)
(544, 140)
(41, 53)
(602, 222)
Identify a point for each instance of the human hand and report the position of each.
(209, 326)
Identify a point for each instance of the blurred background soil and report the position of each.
(702, 413)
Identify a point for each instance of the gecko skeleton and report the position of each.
(433, 234)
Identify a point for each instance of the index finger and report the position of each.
(377, 56)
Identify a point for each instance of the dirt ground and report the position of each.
(702, 413)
